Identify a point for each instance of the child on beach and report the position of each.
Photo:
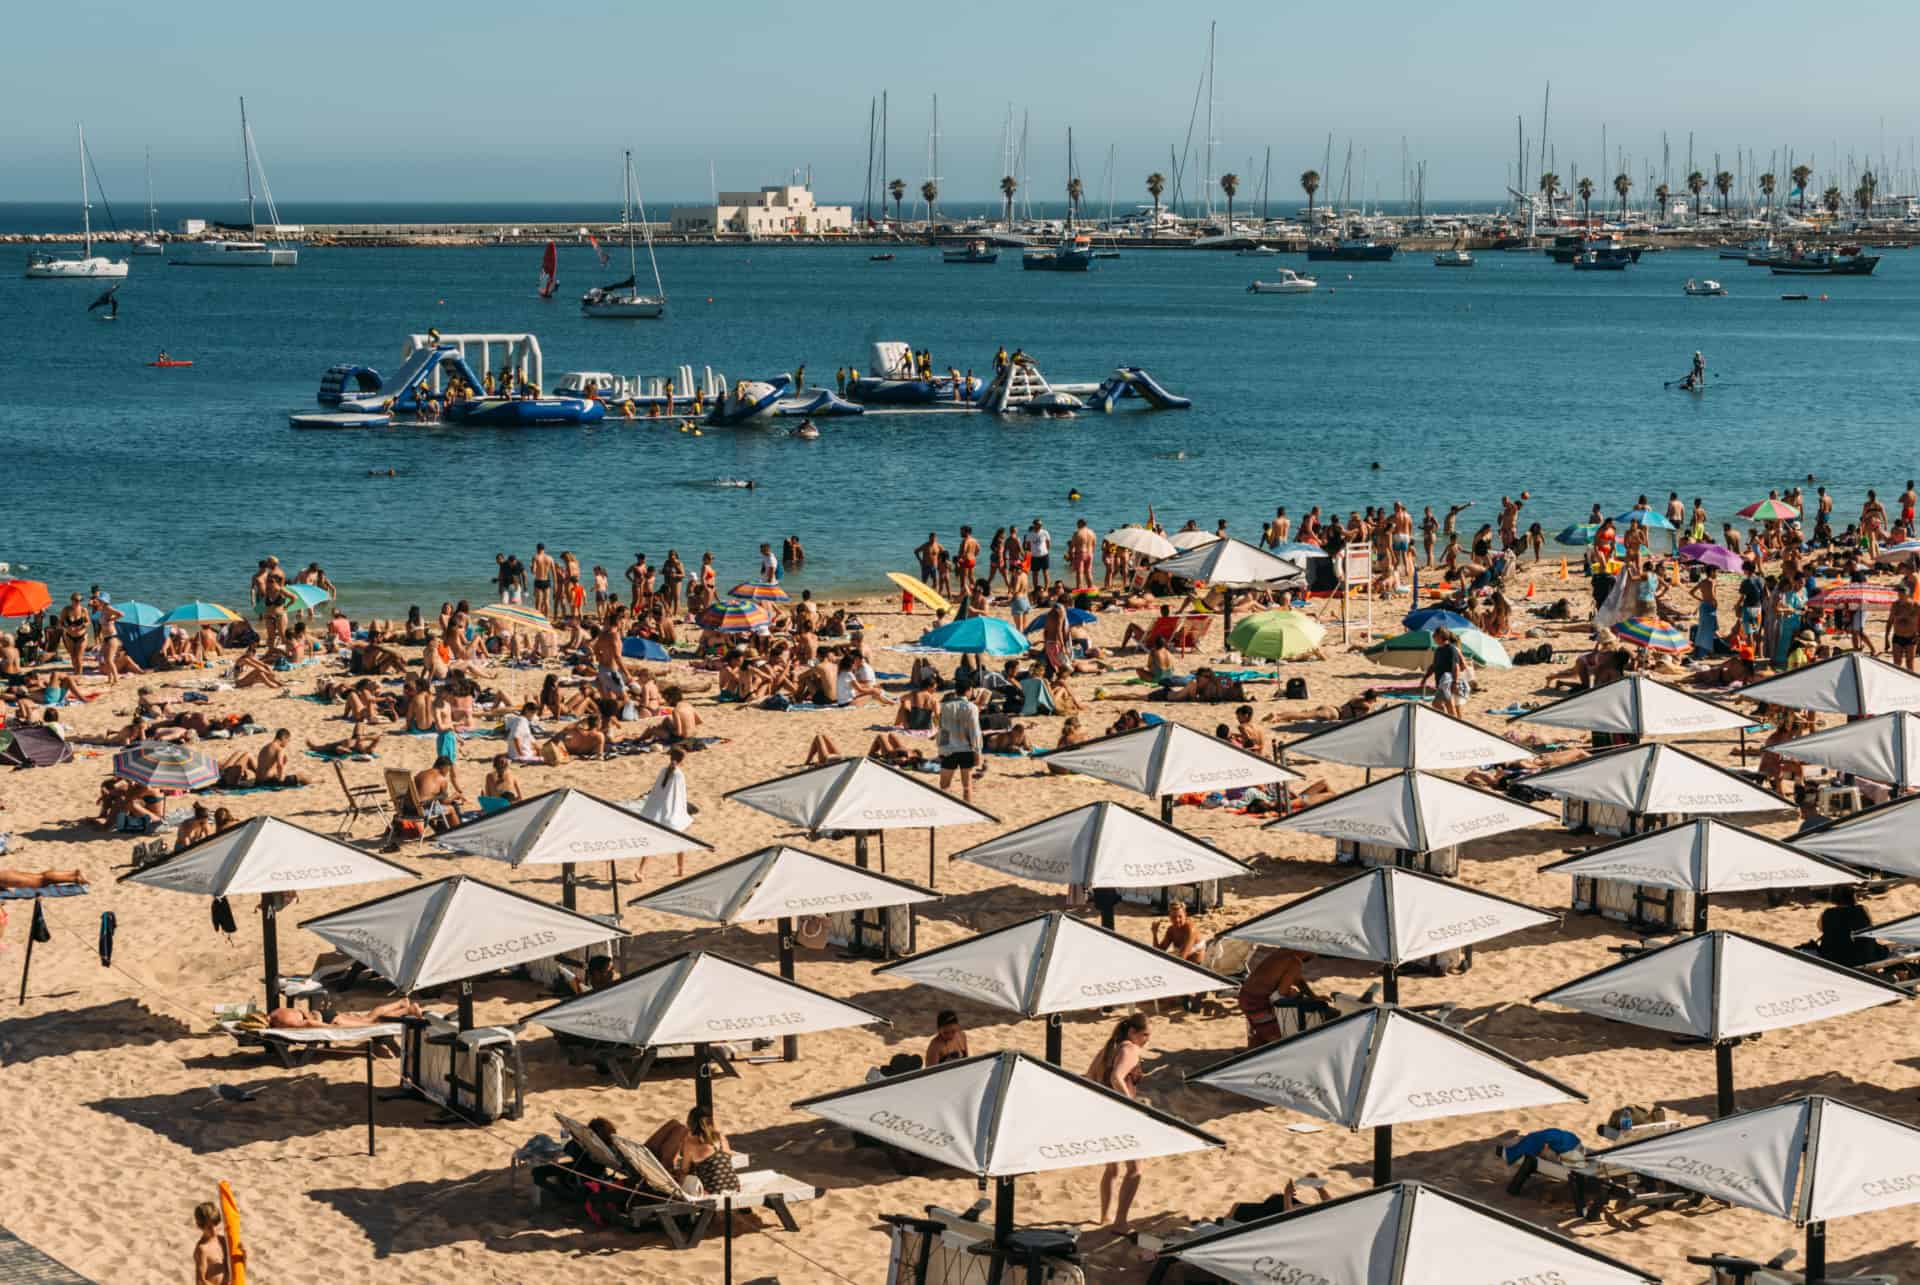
(210, 1251)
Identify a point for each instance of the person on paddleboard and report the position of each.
(1697, 377)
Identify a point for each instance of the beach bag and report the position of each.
(777, 703)
(1296, 689)
(223, 917)
(107, 926)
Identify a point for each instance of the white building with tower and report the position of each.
(785, 210)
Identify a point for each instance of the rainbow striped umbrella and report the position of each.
(512, 613)
(1654, 635)
(757, 592)
(1857, 595)
(736, 617)
(200, 613)
(1770, 510)
(165, 766)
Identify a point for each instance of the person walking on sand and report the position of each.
(960, 742)
(1080, 555)
(1039, 543)
(1117, 1067)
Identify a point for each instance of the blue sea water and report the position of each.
(1460, 383)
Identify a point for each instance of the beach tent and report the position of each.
(1408, 736)
(1168, 759)
(1637, 706)
(1644, 780)
(1391, 917)
(563, 828)
(270, 857)
(1413, 812)
(1053, 964)
(1002, 1115)
(1704, 857)
(1885, 747)
(1850, 684)
(700, 999)
(32, 747)
(1808, 1160)
(1231, 564)
(1884, 837)
(1103, 845)
(1721, 987)
(140, 631)
(453, 930)
(861, 796)
(1403, 1234)
(782, 884)
(1384, 1066)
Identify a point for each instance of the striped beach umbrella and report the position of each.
(736, 617)
(754, 591)
(1414, 650)
(200, 613)
(512, 613)
(1580, 534)
(1857, 595)
(23, 597)
(1769, 510)
(1654, 635)
(163, 765)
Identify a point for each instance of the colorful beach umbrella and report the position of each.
(23, 597)
(1857, 595)
(1654, 635)
(756, 591)
(307, 596)
(165, 766)
(136, 613)
(1583, 533)
(513, 613)
(200, 613)
(736, 617)
(1276, 635)
(1769, 510)
(921, 591)
(976, 635)
(1717, 556)
(1413, 649)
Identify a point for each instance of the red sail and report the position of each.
(549, 270)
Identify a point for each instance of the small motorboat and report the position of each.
(880, 258)
(1702, 288)
(1793, 298)
(1453, 259)
(336, 421)
(1256, 252)
(975, 252)
(1289, 282)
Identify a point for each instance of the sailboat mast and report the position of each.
(86, 207)
(866, 201)
(1206, 179)
(626, 211)
(153, 226)
(1266, 185)
(246, 158)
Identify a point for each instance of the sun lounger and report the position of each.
(361, 800)
(686, 1215)
(297, 1047)
(1730, 1269)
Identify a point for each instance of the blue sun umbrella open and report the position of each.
(977, 635)
(307, 597)
(643, 649)
(1075, 616)
(1437, 618)
(1579, 534)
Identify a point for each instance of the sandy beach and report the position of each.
(115, 1135)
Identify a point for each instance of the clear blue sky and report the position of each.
(495, 101)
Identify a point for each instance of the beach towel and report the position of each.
(325, 757)
(254, 789)
(51, 890)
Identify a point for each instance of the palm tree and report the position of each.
(1723, 184)
(1156, 184)
(1767, 184)
(1310, 183)
(1073, 199)
(1549, 187)
(1007, 188)
(897, 189)
(1696, 184)
(929, 192)
(1831, 198)
(1622, 184)
(1863, 195)
(1230, 184)
(1586, 198)
(1801, 174)
(1663, 194)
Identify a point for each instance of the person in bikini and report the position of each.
(305, 1019)
(1903, 626)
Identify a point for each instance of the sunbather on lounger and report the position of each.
(302, 1019)
(697, 1148)
(39, 878)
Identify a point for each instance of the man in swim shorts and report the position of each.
(1039, 552)
(966, 559)
(542, 568)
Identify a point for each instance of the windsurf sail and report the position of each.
(106, 300)
(594, 241)
(549, 270)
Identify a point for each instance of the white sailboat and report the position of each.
(89, 266)
(150, 243)
(623, 298)
(227, 253)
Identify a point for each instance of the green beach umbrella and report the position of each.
(1276, 635)
(1414, 649)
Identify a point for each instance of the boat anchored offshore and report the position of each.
(1289, 282)
(1700, 289)
(1602, 257)
(89, 266)
(223, 252)
(623, 298)
(975, 252)
(1072, 254)
(1823, 263)
(1453, 259)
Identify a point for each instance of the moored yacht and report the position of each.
(89, 266)
(1288, 282)
(247, 252)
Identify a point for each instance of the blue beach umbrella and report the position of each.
(1075, 616)
(977, 635)
(306, 597)
(1646, 518)
(139, 630)
(137, 613)
(1580, 534)
(1437, 618)
(643, 649)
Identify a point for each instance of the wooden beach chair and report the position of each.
(403, 804)
(685, 1217)
(361, 800)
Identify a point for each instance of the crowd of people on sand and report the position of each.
(1754, 607)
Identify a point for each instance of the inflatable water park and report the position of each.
(484, 380)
